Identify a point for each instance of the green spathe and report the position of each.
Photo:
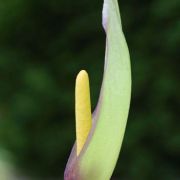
(99, 155)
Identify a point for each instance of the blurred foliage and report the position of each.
(43, 45)
(6, 170)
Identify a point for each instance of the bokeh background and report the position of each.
(44, 44)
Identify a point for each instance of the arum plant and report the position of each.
(99, 136)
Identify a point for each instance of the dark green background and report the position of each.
(44, 44)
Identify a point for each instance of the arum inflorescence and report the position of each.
(99, 136)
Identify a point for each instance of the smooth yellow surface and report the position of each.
(83, 109)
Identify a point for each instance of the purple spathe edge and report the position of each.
(72, 166)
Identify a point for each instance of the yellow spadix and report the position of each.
(83, 109)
